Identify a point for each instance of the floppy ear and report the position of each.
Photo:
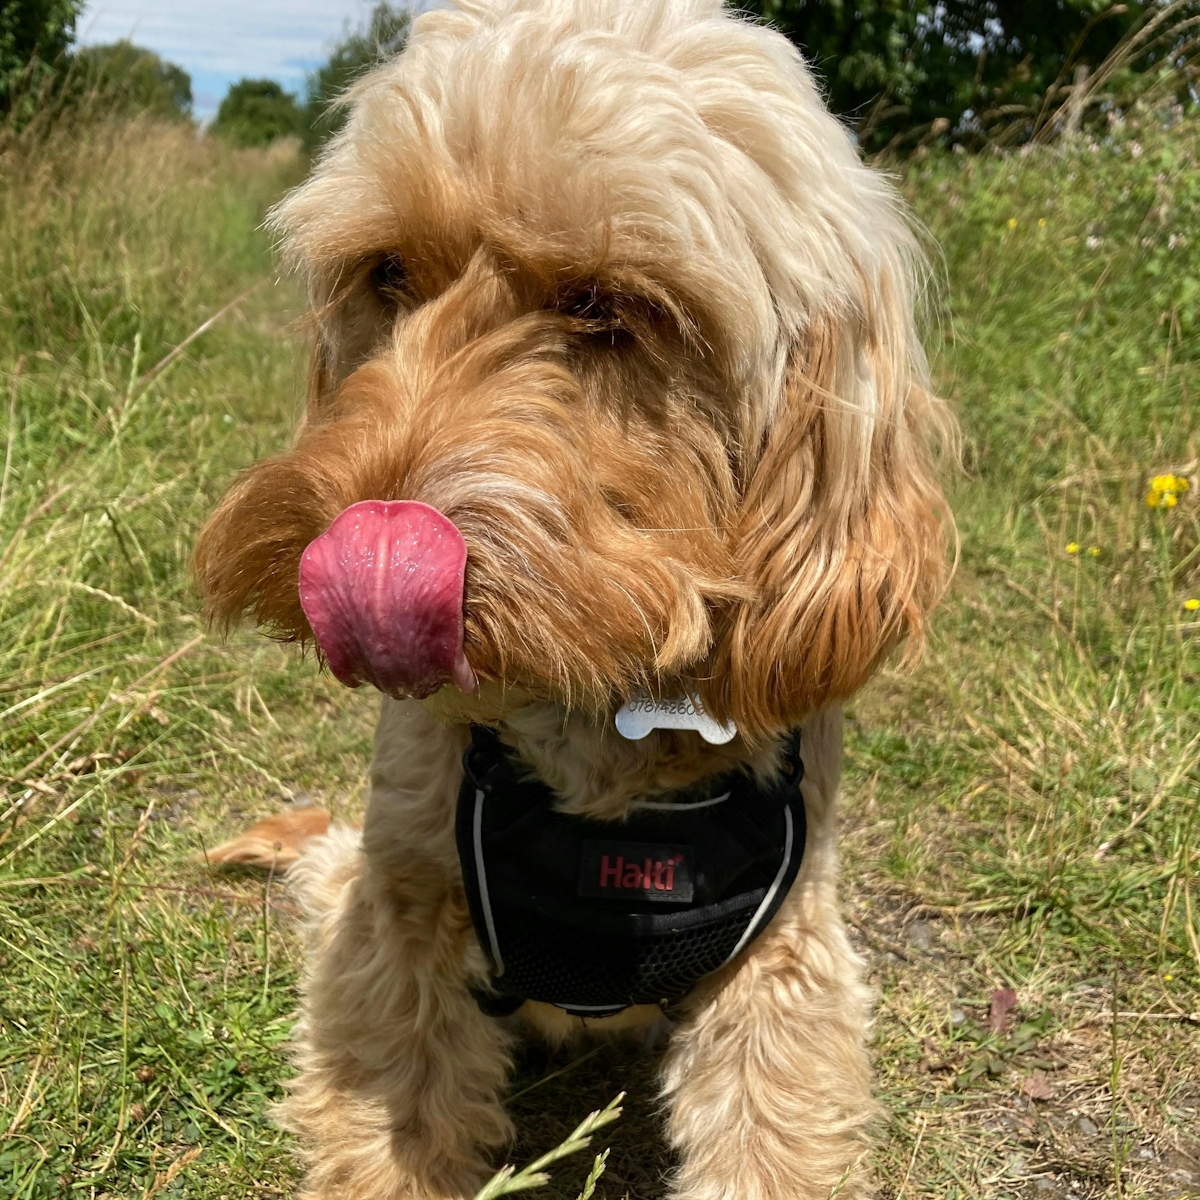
(842, 530)
(247, 554)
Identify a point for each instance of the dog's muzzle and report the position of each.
(382, 588)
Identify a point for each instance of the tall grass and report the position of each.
(1047, 756)
(143, 1004)
(120, 245)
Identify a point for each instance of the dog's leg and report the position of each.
(401, 1074)
(767, 1077)
(398, 1096)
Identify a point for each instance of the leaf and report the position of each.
(1004, 1000)
(976, 1067)
(1027, 1035)
(1037, 1087)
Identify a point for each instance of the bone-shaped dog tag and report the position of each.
(643, 713)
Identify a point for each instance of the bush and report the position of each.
(975, 70)
(257, 111)
(34, 34)
(124, 78)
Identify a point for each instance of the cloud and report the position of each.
(219, 41)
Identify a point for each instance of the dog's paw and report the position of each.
(274, 843)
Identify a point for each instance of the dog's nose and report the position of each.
(382, 588)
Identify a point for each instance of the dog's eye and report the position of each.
(389, 280)
(593, 308)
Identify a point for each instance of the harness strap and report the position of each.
(594, 916)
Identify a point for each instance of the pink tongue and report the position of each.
(382, 588)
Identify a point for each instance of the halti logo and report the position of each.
(636, 870)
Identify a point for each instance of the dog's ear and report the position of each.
(343, 329)
(321, 373)
(842, 529)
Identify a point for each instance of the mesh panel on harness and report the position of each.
(594, 916)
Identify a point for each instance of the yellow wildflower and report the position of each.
(1094, 551)
(1072, 547)
(1191, 604)
(1041, 222)
(1165, 490)
(1012, 222)
(1169, 483)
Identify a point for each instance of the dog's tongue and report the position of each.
(382, 588)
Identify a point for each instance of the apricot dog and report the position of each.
(616, 390)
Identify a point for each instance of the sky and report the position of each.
(219, 41)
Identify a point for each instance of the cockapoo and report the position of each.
(617, 475)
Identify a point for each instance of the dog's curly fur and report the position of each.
(603, 282)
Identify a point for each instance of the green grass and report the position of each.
(1021, 811)
(1033, 789)
(1060, 756)
(144, 1003)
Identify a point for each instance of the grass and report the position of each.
(1026, 803)
(144, 1002)
(1020, 813)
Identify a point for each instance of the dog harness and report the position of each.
(593, 916)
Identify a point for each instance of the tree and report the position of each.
(973, 70)
(257, 111)
(359, 50)
(124, 78)
(34, 34)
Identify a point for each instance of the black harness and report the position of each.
(593, 916)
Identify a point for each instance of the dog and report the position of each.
(616, 405)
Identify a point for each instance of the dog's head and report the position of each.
(615, 383)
